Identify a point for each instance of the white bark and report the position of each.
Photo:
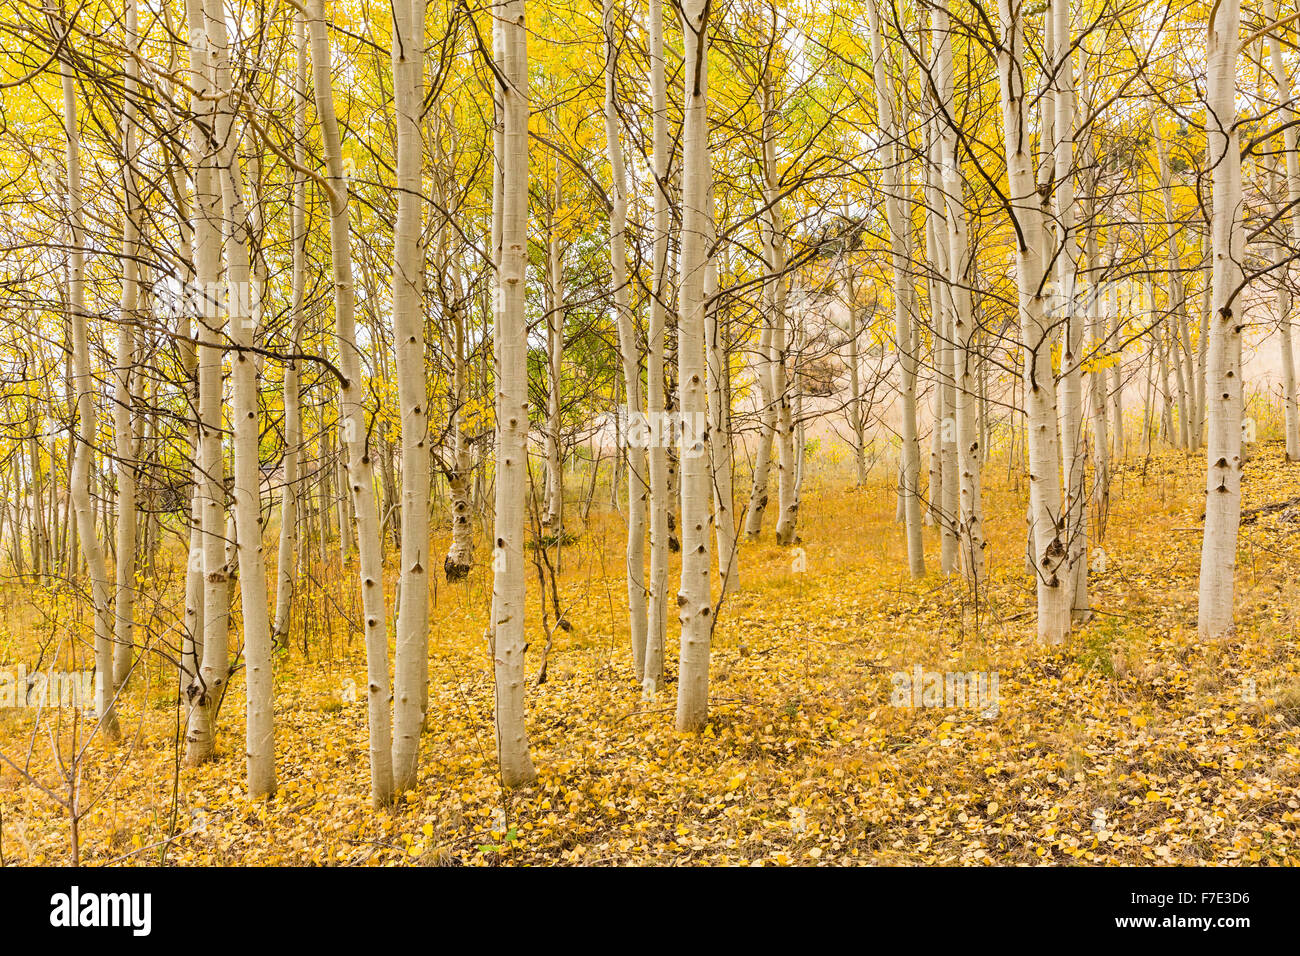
(1040, 385)
(637, 477)
(1223, 375)
(124, 420)
(720, 447)
(288, 546)
(260, 724)
(904, 310)
(1073, 434)
(84, 393)
(1289, 117)
(779, 320)
(411, 665)
(511, 345)
(553, 516)
(660, 501)
(352, 392)
(206, 691)
(943, 498)
(694, 601)
(966, 358)
(1177, 311)
(460, 553)
(758, 493)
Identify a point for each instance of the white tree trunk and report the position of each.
(511, 345)
(966, 358)
(124, 420)
(1048, 520)
(637, 478)
(84, 392)
(1223, 375)
(694, 600)
(411, 664)
(899, 226)
(758, 492)
(1073, 433)
(857, 410)
(460, 553)
(944, 499)
(553, 516)
(720, 447)
(778, 319)
(352, 392)
(288, 546)
(1177, 310)
(660, 503)
(206, 691)
(1290, 398)
(260, 723)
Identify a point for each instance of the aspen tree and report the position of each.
(1177, 310)
(411, 664)
(1048, 520)
(553, 515)
(460, 552)
(1223, 374)
(511, 345)
(719, 389)
(83, 382)
(966, 357)
(694, 601)
(352, 391)
(260, 725)
(1289, 117)
(124, 418)
(629, 354)
(778, 317)
(1095, 320)
(289, 534)
(660, 494)
(900, 256)
(1073, 434)
(208, 687)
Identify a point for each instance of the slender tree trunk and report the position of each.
(206, 691)
(1073, 433)
(637, 478)
(411, 668)
(719, 377)
(511, 344)
(779, 320)
(660, 504)
(352, 392)
(1048, 524)
(260, 726)
(460, 553)
(694, 601)
(1096, 377)
(966, 359)
(1177, 311)
(857, 402)
(1223, 376)
(1290, 398)
(288, 547)
(553, 518)
(899, 226)
(945, 426)
(124, 422)
(84, 385)
(1203, 343)
(758, 493)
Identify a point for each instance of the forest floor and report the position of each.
(1134, 743)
